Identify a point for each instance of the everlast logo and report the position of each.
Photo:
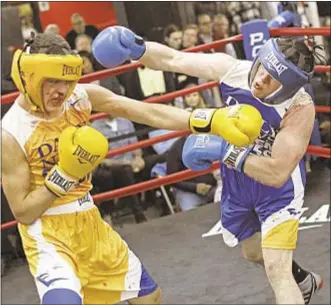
(231, 160)
(67, 70)
(274, 64)
(85, 155)
(57, 179)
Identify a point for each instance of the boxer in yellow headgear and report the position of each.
(48, 154)
(30, 70)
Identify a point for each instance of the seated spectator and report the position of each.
(79, 27)
(190, 36)
(193, 100)
(205, 28)
(172, 36)
(83, 42)
(110, 83)
(192, 193)
(52, 29)
(118, 171)
(221, 31)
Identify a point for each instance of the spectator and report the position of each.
(190, 36)
(221, 31)
(83, 42)
(172, 36)
(88, 64)
(118, 171)
(193, 100)
(79, 27)
(110, 83)
(52, 28)
(191, 193)
(205, 28)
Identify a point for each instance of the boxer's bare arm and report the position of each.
(155, 115)
(26, 206)
(288, 149)
(206, 66)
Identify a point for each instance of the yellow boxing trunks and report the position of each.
(71, 247)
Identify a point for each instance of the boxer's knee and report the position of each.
(254, 257)
(61, 296)
(153, 298)
(251, 249)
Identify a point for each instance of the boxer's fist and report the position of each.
(200, 151)
(116, 44)
(239, 125)
(80, 151)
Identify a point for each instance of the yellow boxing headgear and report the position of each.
(30, 70)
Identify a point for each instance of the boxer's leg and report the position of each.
(280, 224)
(50, 264)
(251, 249)
(117, 274)
(278, 267)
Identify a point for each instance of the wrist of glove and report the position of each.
(235, 157)
(58, 182)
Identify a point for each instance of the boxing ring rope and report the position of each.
(186, 174)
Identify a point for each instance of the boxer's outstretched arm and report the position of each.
(155, 115)
(206, 66)
(26, 206)
(288, 149)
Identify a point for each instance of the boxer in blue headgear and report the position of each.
(263, 183)
(290, 77)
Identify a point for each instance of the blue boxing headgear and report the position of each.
(282, 70)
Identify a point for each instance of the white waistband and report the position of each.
(82, 204)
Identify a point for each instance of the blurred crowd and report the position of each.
(163, 158)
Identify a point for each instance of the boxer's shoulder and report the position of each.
(302, 98)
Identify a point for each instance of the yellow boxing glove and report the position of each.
(239, 125)
(81, 149)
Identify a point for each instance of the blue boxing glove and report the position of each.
(116, 44)
(201, 150)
